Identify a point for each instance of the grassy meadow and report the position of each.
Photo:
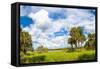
(58, 56)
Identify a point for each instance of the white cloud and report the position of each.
(24, 10)
(41, 19)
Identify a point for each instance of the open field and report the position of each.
(57, 56)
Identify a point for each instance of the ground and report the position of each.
(58, 56)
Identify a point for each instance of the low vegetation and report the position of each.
(58, 56)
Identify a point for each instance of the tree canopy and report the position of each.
(77, 37)
(90, 44)
(25, 41)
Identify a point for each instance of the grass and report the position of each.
(67, 56)
(58, 56)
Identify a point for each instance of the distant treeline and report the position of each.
(76, 40)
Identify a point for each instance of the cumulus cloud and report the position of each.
(44, 28)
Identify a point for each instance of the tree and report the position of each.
(25, 41)
(74, 36)
(42, 49)
(72, 42)
(77, 36)
(45, 49)
(91, 41)
(81, 38)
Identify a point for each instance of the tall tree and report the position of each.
(81, 38)
(74, 35)
(77, 36)
(25, 41)
(91, 41)
(72, 42)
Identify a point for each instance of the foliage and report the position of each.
(68, 56)
(58, 56)
(45, 49)
(38, 59)
(42, 49)
(32, 57)
(87, 56)
(90, 44)
(70, 50)
(25, 41)
(77, 37)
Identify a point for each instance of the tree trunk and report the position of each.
(76, 44)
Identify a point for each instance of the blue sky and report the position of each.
(26, 21)
(50, 26)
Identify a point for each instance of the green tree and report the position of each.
(42, 49)
(91, 41)
(77, 36)
(72, 42)
(74, 36)
(81, 38)
(45, 49)
(25, 41)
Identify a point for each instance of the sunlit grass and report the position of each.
(58, 56)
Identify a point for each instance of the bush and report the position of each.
(45, 49)
(30, 53)
(87, 57)
(32, 59)
(42, 49)
(22, 53)
(26, 59)
(89, 48)
(38, 59)
(70, 50)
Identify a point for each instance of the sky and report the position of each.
(50, 26)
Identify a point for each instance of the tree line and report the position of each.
(77, 38)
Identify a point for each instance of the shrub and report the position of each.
(30, 53)
(87, 57)
(45, 49)
(70, 50)
(38, 59)
(26, 59)
(42, 49)
(32, 59)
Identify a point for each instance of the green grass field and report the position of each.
(57, 56)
